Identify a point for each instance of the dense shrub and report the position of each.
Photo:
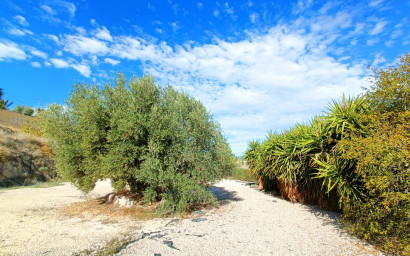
(382, 162)
(28, 111)
(354, 158)
(160, 142)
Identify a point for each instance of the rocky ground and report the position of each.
(248, 222)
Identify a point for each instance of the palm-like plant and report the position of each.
(308, 156)
(4, 104)
(345, 117)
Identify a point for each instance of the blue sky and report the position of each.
(256, 65)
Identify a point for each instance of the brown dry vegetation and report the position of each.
(94, 207)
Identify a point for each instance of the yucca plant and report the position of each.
(344, 117)
(339, 174)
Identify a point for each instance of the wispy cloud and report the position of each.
(52, 10)
(35, 64)
(378, 28)
(19, 32)
(253, 17)
(82, 68)
(21, 20)
(59, 63)
(10, 50)
(111, 61)
(79, 45)
(38, 53)
(375, 3)
(103, 33)
(267, 80)
(301, 6)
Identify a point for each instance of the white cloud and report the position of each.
(253, 17)
(378, 28)
(38, 53)
(265, 82)
(375, 3)
(35, 64)
(372, 41)
(59, 63)
(79, 45)
(83, 69)
(53, 37)
(200, 5)
(111, 61)
(69, 7)
(21, 20)
(9, 50)
(389, 43)
(103, 33)
(174, 26)
(301, 6)
(16, 32)
(48, 9)
(216, 13)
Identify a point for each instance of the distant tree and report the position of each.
(28, 111)
(4, 104)
(18, 109)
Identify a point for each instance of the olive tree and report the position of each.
(161, 143)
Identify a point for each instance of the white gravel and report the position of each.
(248, 222)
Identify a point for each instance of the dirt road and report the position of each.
(248, 222)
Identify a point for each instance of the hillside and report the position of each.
(24, 159)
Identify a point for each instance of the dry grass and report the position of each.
(93, 208)
(13, 137)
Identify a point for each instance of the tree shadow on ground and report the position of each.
(225, 196)
(327, 217)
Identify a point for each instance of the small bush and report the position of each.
(243, 174)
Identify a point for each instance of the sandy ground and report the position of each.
(31, 223)
(248, 222)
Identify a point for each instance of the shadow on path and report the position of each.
(225, 196)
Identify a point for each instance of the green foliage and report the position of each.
(390, 91)
(160, 142)
(18, 109)
(242, 174)
(383, 164)
(357, 155)
(4, 104)
(28, 111)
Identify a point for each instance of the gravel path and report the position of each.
(248, 222)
